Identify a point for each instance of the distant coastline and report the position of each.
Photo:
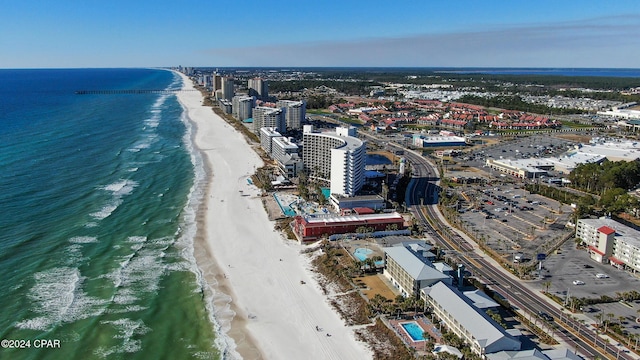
(555, 71)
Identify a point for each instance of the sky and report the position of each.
(320, 33)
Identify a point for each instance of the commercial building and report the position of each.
(475, 327)
(243, 107)
(609, 241)
(524, 169)
(337, 158)
(259, 88)
(312, 227)
(375, 202)
(294, 112)
(268, 117)
(438, 141)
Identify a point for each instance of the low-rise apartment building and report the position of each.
(609, 241)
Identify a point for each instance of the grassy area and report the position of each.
(319, 112)
(575, 125)
(350, 121)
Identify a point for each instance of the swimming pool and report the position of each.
(414, 330)
(363, 253)
(287, 210)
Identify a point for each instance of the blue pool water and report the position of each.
(414, 330)
(363, 253)
(326, 192)
(287, 210)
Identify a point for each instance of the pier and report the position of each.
(129, 92)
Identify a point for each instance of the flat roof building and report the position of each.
(310, 228)
(294, 112)
(609, 241)
(227, 88)
(268, 117)
(259, 88)
(267, 134)
(243, 107)
(337, 158)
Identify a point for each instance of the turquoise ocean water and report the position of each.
(97, 202)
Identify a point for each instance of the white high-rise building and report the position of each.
(259, 88)
(267, 134)
(337, 158)
(286, 155)
(227, 88)
(243, 107)
(268, 117)
(295, 112)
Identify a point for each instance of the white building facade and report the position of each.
(243, 107)
(295, 112)
(268, 117)
(337, 158)
(609, 241)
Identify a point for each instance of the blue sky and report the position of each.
(283, 33)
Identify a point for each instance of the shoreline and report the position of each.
(263, 292)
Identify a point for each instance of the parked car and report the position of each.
(545, 316)
(602, 276)
(578, 282)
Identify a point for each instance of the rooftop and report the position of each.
(487, 333)
(623, 233)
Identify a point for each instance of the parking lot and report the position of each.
(571, 264)
(512, 221)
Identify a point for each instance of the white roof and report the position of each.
(624, 233)
(480, 299)
(334, 218)
(486, 332)
(561, 354)
(533, 354)
(439, 348)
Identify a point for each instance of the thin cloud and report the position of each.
(601, 42)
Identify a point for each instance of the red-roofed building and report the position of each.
(606, 230)
(310, 228)
(610, 242)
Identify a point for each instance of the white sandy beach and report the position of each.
(242, 256)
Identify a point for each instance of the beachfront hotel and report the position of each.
(609, 241)
(474, 326)
(282, 150)
(227, 90)
(259, 88)
(243, 107)
(409, 268)
(335, 158)
(294, 112)
(268, 117)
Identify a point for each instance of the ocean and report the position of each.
(98, 195)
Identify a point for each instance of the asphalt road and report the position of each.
(580, 337)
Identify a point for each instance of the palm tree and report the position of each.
(610, 316)
(547, 285)
(599, 317)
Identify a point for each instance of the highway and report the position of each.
(422, 198)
